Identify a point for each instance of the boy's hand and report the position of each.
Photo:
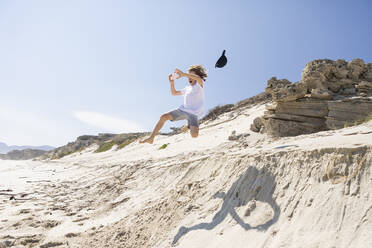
(179, 72)
(170, 78)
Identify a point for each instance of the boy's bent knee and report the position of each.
(166, 117)
(194, 131)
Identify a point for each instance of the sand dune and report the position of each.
(255, 191)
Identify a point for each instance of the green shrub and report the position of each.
(368, 118)
(216, 111)
(105, 146)
(125, 143)
(163, 146)
(359, 121)
(120, 145)
(62, 154)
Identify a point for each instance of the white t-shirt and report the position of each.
(193, 99)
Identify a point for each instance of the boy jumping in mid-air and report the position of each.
(193, 102)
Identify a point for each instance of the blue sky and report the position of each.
(69, 68)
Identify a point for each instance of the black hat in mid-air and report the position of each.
(221, 62)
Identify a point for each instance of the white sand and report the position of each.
(141, 196)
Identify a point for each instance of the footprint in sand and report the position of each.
(16, 225)
(30, 241)
(57, 207)
(24, 211)
(48, 224)
(35, 224)
(7, 243)
(80, 219)
(72, 235)
(51, 244)
(24, 241)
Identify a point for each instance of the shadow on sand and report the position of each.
(253, 184)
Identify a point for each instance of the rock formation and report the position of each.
(330, 95)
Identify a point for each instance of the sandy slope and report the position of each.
(206, 192)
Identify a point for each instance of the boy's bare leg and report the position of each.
(159, 125)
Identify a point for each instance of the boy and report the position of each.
(193, 102)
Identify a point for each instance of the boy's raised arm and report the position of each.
(173, 90)
(192, 76)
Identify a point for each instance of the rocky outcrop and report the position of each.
(283, 90)
(295, 118)
(364, 87)
(22, 154)
(330, 95)
(348, 112)
(336, 77)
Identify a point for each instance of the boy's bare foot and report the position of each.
(184, 129)
(148, 140)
